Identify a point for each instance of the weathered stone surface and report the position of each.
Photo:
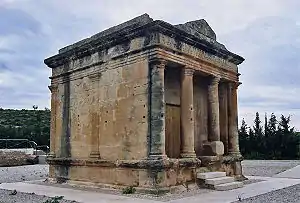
(187, 114)
(214, 148)
(198, 28)
(213, 109)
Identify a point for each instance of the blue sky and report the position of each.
(265, 33)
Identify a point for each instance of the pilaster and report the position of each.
(95, 153)
(54, 90)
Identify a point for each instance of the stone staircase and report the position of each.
(218, 181)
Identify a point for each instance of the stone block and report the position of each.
(229, 186)
(218, 181)
(213, 148)
(210, 175)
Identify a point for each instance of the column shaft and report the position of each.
(157, 110)
(214, 147)
(223, 97)
(214, 114)
(233, 139)
(187, 114)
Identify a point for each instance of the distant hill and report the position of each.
(25, 124)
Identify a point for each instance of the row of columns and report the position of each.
(157, 133)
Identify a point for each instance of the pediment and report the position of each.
(198, 28)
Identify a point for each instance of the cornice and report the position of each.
(100, 42)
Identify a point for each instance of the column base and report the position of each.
(157, 156)
(94, 155)
(188, 155)
(214, 148)
(235, 154)
(233, 166)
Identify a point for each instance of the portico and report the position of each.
(183, 98)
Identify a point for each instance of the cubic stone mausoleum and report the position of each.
(144, 104)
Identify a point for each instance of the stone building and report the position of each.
(145, 104)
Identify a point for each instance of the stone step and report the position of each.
(218, 181)
(210, 175)
(228, 186)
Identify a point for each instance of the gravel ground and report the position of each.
(7, 196)
(267, 168)
(286, 195)
(23, 173)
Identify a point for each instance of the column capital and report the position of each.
(234, 85)
(188, 71)
(53, 88)
(159, 63)
(215, 80)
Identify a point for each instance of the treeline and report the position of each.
(25, 124)
(272, 139)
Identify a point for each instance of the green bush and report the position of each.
(128, 190)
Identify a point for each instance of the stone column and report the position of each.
(214, 146)
(187, 114)
(157, 109)
(223, 96)
(53, 89)
(233, 136)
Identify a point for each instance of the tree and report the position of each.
(25, 124)
(276, 140)
(258, 135)
(271, 136)
(244, 137)
(287, 138)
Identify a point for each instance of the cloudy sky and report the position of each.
(266, 33)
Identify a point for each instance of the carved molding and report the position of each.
(95, 76)
(53, 88)
(137, 164)
(234, 85)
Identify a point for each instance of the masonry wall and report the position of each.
(107, 111)
(201, 114)
(172, 85)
